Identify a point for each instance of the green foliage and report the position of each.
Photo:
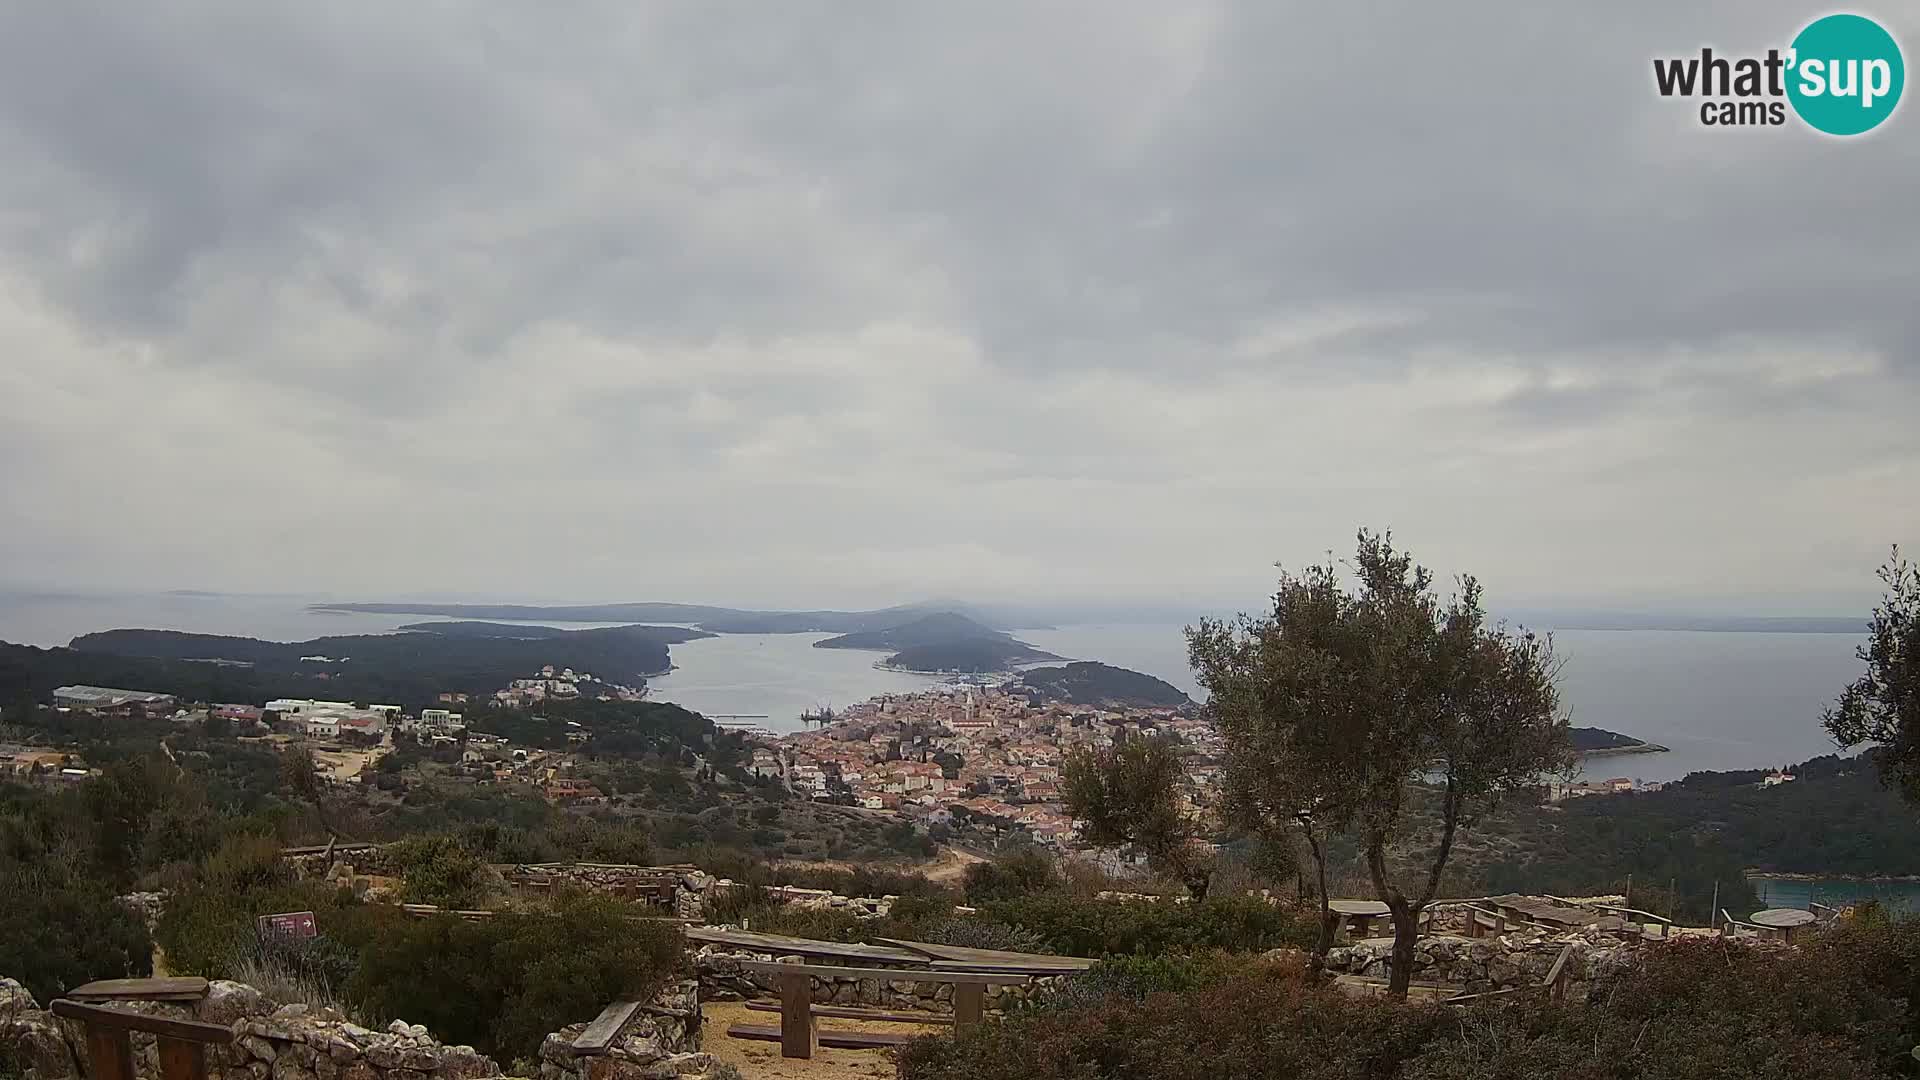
(1132, 978)
(1882, 707)
(1341, 706)
(1841, 1008)
(60, 929)
(502, 984)
(1018, 873)
(1076, 926)
(1129, 797)
(439, 870)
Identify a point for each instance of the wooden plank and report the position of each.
(969, 1005)
(796, 1016)
(780, 943)
(175, 989)
(95, 1016)
(109, 1053)
(955, 968)
(835, 1040)
(990, 958)
(605, 1028)
(181, 1059)
(828, 971)
(842, 1012)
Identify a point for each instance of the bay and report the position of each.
(1717, 700)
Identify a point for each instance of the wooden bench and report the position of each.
(182, 1044)
(797, 1033)
(845, 1013)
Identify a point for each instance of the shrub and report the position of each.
(58, 930)
(1018, 874)
(1132, 978)
(440, 870)
(502, 984)
(1686, 1010)
(1082, 927)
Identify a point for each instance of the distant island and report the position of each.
(1709, 624)
(1086, 682)
(720, 620)
(943, 643)
(410, 668)
(1596, 742)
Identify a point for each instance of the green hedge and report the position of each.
(1077, 926)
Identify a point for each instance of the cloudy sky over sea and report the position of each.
(794, 304)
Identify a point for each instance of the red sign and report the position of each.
(297, 925)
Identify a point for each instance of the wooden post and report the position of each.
(796, 1015)
(181, 1059)
(1629, 901)
(969, 1004)
(109, 1053)
(1714, 911)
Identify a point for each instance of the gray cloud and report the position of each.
(724, 302)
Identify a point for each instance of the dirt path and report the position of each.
(951, 865)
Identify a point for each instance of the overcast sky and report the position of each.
(792, 303)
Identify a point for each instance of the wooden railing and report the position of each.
(182, 1043)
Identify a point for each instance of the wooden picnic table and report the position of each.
(797, 1033)
(1358, 915)
(1783, 919)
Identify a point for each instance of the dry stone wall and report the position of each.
(1480, 965)
(724, 977)
(298, 1042)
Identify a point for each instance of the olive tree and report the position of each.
(1391, 713)
(1882, 707)
(1286, 773)
(1130, 797)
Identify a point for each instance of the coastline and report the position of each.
(1636, 748)
(1870, 878)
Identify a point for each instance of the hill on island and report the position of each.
(1588, 740)
(944, 643)
(720, 620)
(1086, 682)
(409, 668)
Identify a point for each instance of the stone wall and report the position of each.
(1480, 965)
(298, 1042)
(662, 1041)
(724, 977)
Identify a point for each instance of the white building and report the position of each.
(303, 706)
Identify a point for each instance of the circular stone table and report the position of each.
(1783, 919)
(1358, 914)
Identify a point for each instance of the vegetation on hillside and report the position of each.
(1845, 1007)
(1085, 682)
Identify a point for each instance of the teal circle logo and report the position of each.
(1845, 74)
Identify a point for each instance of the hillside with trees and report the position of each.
(1086, 682)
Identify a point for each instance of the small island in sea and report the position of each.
(1088, 682)
(1595, 742)
(944, 643)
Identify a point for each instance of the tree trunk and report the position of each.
(1406, 931)
(1406, 919)
(1317, 963)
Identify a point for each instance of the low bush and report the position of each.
(1010, 876)
(1839, 1008)
(502, 984)
(1076, 926)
